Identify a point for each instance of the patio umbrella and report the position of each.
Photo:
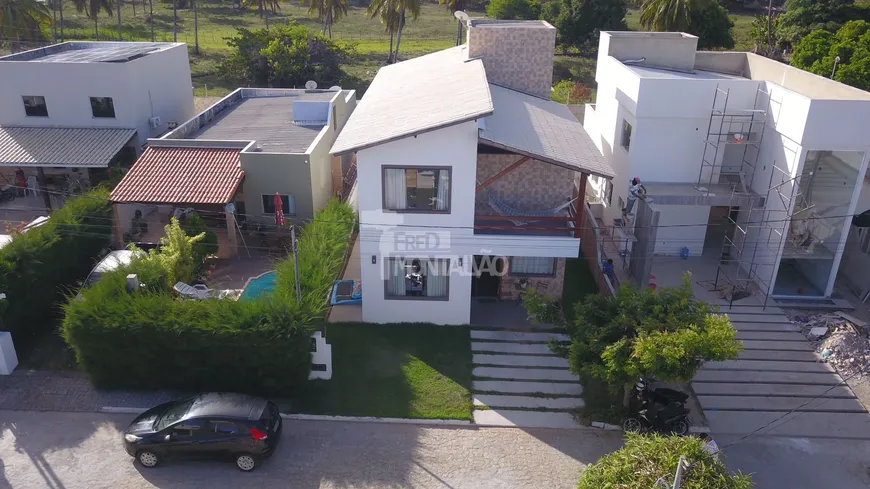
(279, 211)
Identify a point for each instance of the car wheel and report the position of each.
(147, 458)
(245, 462)
(632, 425)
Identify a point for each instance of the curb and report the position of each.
(365, 419)
(613, 427)
(122, 410)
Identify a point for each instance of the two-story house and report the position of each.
(751, 165)
(69, 110)
(469, 176)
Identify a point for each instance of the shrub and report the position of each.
(514, 9)
(39, 267)
(322, 247)
(194, 226)
(645, 459)
(177, 255)
(148, 339)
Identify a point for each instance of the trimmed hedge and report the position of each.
(38, 268)
(148, 339)
(646, 458)
(323, 244)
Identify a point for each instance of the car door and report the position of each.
(180, 440)
(219, 438)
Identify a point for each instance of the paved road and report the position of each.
(82, 450)
(800, 463)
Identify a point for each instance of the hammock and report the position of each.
(505, 209)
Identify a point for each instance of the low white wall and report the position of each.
(681, 226)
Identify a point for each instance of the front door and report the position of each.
(486, 276)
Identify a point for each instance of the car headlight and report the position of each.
(132, 438)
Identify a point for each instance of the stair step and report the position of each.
(524, 419)
(514, 387)
(524, 374)
(519, 360)
(521, 348)
(517, 336)
(527, 402)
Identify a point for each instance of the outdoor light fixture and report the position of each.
(374, 259)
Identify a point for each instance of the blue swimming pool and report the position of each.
(262, 285)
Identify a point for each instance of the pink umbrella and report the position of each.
(279, 211)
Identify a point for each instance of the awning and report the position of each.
(182, 175)
(543, 130)
(60, 146)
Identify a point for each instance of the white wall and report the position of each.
(321, 161)
(154, 85)
(384, 234)
(681, 226)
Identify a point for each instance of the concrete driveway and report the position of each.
(83, 450)
(778, 372)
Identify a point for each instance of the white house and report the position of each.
(79, 104)
(745, 160)
(468, 176)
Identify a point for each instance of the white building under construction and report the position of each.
(746, 161)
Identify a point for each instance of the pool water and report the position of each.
(262, 285)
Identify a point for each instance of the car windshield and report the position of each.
(173, 413)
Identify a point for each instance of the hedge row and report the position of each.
(323, 244)
(38, 268)
(148, 339)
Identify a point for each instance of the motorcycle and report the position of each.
(660, 395)
(668, 419)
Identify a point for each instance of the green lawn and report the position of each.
(396, 371)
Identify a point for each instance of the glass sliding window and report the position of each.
(416, 189)
(417, 279)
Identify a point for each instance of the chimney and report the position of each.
(516, 54)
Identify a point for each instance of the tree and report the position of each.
(176, 255)
(764, 35)
(390, 18)
(513, 9)
(706, 19)
(578, 22)
(454, 6)
(284, 57)
(262, 5)
(804, 16)
(328, 12)
(570, 92)
(403, 9)
(92, 8)
(818, 53)
(22, 20)
(666, 334)
(646, 458)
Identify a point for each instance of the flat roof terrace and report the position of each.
(268, 120)
(90, 52)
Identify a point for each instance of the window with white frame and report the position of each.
(416, 189)
(417, 279)
(533, 265)
(625, 142)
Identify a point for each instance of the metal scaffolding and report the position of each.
(759, 229)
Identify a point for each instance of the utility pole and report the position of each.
(296, 263)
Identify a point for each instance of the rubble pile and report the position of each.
(841, 340)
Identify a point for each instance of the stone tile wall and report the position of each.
(532, 186)
(547, 286)
(516, 56)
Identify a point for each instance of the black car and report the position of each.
(214, 425)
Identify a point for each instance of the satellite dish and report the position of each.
(335, 88)
(459, 14)
(311, 84)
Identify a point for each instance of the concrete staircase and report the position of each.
(518, 381)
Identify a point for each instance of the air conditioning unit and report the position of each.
(154, 122)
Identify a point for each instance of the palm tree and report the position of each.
(403, 9)
(262, 5)
(20, 20)
(453, 6)
(92, 8)
(328, 12)
(390, 19)
(666, 15)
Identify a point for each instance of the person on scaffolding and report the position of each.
(636, 190)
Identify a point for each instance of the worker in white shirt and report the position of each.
(635, 191)
(710, 446)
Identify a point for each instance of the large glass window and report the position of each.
(417, 189)
(417, 278)
(288, 204)
(814, 233)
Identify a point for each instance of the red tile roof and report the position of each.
(182, 176)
